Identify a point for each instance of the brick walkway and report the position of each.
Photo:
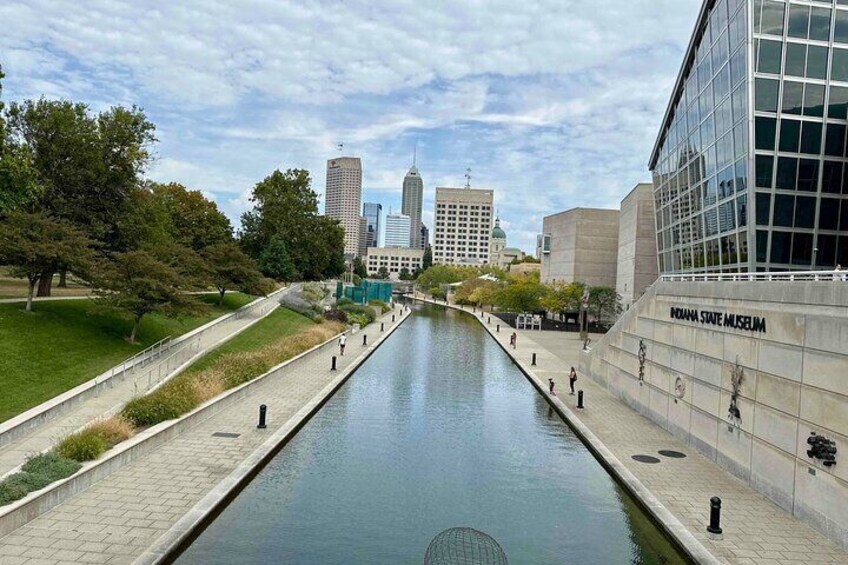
(109, 400)
(756, 531)
(115, 520)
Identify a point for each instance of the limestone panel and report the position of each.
(734, 451)
(782, 360)
(710, 343)
(708, 370)
(659, 354)
(663, 332)
(776, 428)
(630, 343)
(658, 402)
(703, 431)
(826, 333)
(773, 473)
(683, 361)
(706, 397)
(645, 327)
(748, 389)
(679, 414)
(740, 349)
(828, 371)
(746, 410)
(822, 500)
(824, 409)
(781, 394)
(840, 470)
(684, 337)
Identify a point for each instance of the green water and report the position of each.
(437, 429)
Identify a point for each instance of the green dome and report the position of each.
(497, 232)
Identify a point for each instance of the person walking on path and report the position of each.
(513, 339)
(342, 342)
(551, 386)
(572, 378)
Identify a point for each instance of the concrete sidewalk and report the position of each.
(112, 399)
(756, 531)
(118, 518)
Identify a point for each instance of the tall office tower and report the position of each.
(397, 230)
(425, 236)
(413, 196)
(363, 236)
(463, 226)
(343, 198)
(741, 188)
(372, 212)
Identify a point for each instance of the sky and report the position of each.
(554, 104)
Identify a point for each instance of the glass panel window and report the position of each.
(829, 214)
(783, 210)
(835, 142)
(766, 90)
(790, 132)
(843, 219)
(799, 21)
(840, 27)
(770, 56)
(793, 96)
(814, 100)
(787, 172)
(811, 137)
(742, 210)
(832, 177)
(816, 62)
(839, 66)
(781, 244)
(805, 212)
(808, 175)
(796, 57)
(838, 105)
(820, 24)
(741, 176)
(765, 128)
(762, 246)
(763, 208)
(826, 255)
(764, 169)
(772, 18)
(802, 248)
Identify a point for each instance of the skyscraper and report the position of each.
(463, 226)
(343, 199)
(372, 212)
(413, 195)
(397, 230)
(749, 163)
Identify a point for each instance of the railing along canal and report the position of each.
(788, 276)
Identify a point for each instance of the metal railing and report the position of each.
(787, 276)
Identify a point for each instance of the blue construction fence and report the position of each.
(366, 291)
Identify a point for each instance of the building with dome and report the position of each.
(499, 254)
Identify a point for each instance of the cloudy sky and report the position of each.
(552, 103)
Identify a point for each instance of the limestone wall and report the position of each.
(795, 381)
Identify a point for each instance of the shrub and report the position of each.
(90, 443)
(10, 492)
(336, 315)
(357, 314)
(28, 481)
(172, 400)
(51, 465)
(381, 305)
(344, 301)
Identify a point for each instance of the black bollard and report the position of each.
(262, 411)
(382, 327)
(580, 399)
(490, 320)
(498, 327)
(333, 365)
(534, 360)
(364, 340)
(393, 317)
(715, 516)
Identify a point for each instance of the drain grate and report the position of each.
(225, 434)
(645, 459)
(672, 454)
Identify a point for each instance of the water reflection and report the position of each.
(438, 429)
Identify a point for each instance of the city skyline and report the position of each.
(535, 118)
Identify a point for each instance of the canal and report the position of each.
(438, 429)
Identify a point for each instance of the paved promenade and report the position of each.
(756, 531)
(112, 399)
(118, 518)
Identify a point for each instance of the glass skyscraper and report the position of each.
(372, 211)
(749, 167)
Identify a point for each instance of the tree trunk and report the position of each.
(135, 328)
(63, 279)
(45, 283)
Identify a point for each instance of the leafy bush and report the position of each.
(90, 443)
(51, 465)
(357, 314)
(336, 315)
(344, 301)
(28, 481)
(381, 305)
(437, 293)
(10, 492)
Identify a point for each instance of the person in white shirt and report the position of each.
(342, 342)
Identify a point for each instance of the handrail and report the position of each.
(785, 276)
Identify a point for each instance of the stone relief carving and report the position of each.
(643, 353)
(737, 377)
(679, 388)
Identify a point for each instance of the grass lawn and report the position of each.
(61, 344)
(281, 322)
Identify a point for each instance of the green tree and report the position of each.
(18, 184)
(144, 223)
(275, 262)
(231, 269)
(383, 273)
(34, 244)
(85, 165)
(522, 293)
(563, 297)
(359, 268)
(605, 303)
(427, 260)
(138, 283)
(195, 221)
(405, 275)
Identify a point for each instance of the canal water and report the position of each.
(438, 429)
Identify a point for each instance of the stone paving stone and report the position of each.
(166, 483)
(752, 524)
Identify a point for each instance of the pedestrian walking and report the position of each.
(551, 386)
(572, 378)
(342, 342)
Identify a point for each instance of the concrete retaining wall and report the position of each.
(795, 381)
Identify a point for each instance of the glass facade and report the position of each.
(372, 211)
(750, 168)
